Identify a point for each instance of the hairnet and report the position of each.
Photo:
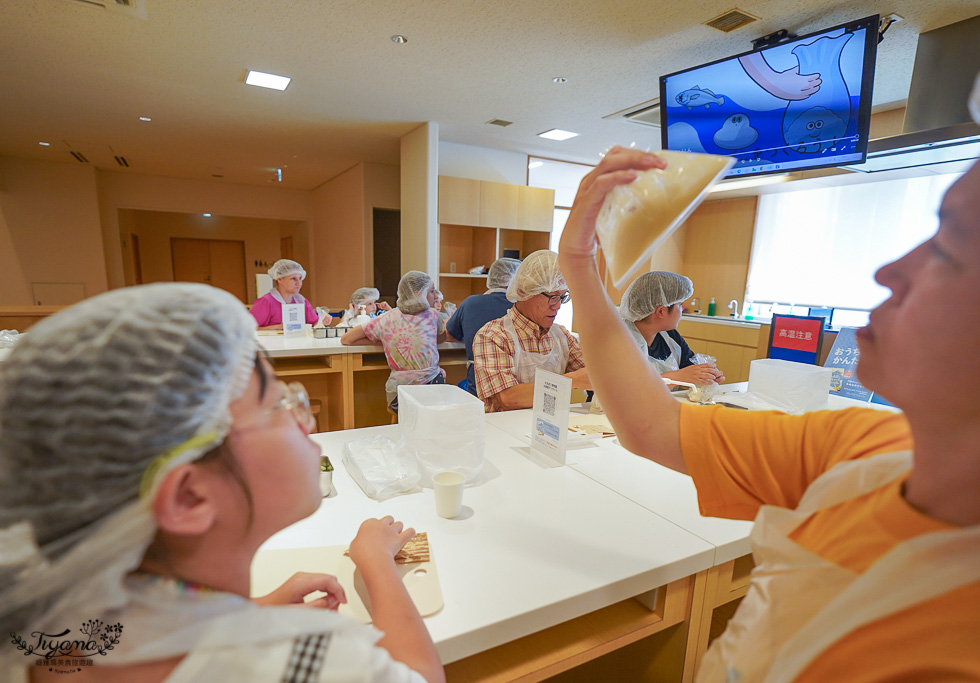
(364, 295)
(651, 290)
(501, 271)
(413, 290)
(89, 402)
(284, 268)
(537, 273)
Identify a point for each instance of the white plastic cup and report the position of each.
(448, 487)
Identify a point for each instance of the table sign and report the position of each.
(796, 338)
(293, 317)
(843, 360)
(549, 414)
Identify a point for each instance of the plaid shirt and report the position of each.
(493, 354)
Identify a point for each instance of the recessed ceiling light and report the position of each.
(399, 39)
(535, 164)
(206, 215)
(559, 80)
(44, 144)
(557, 134)
(145, 118)
(264, 80)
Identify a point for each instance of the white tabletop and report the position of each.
(534, 547)
(280, 346)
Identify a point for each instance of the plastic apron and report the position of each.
(671, 362)
(799, 604)
(526, 362)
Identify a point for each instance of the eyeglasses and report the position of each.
(557, 298)
(295, 399)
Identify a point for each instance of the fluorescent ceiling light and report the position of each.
(44, 144)
(750, 182)
(557, 134)
(264, 80)
(535, 164)
(206, 215)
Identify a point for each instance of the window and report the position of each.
(821, 247)
(563, 177)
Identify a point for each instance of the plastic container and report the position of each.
(711, 306)
(444, 427)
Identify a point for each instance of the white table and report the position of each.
(535, 546)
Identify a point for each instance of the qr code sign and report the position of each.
(549, 404)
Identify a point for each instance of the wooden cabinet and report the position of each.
(734, 346)
(478, 220)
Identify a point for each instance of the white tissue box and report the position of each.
(788, 386)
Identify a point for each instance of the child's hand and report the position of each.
(379, 540)
(299, 585)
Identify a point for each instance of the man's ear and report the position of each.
(662, 312)
(184, 503)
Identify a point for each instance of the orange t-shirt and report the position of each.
(746, 460)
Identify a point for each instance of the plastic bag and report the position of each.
(443, 426)
(636, 218)
(703, 393)
(9, 338)
(381, 467)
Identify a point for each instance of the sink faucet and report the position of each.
(696, 305)
(733, 304)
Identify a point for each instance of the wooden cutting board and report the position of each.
(271, 568)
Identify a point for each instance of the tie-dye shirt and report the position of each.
(409, 340)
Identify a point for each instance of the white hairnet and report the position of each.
(501, 272)
(363, 296)
(538, 273)
(651, 290)
(284, 268)
(413, 290)
(96, 404)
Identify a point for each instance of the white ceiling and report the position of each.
(79, 76)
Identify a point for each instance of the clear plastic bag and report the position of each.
(703, 393)
(381, 467)
(9, 338)
(444, 427)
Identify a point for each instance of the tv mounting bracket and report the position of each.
(774, 38)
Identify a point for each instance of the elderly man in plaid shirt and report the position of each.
(507, 351)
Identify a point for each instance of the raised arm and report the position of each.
(638, 404)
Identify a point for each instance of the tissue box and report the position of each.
(788, 386)
(444, 426)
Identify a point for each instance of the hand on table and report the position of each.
(379, 540)
(299, 585)
(705, 373)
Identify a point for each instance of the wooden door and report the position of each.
(220, 263)
(286, 247)
(137, 263)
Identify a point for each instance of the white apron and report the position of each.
(526, 362)
(798, 603)
(672, 362)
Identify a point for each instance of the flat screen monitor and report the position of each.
(803, 103)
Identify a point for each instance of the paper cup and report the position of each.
(448, 487)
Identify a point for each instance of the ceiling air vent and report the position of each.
(122, 161)
(731, 20)
(499, 122)
(649, 116)
(79, 157)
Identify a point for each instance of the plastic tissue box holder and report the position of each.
(791, 387)
(443, 425)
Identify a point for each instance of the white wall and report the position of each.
(482, 163)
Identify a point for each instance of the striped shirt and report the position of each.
(493, 354)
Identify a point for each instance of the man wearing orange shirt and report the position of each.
(867, 560)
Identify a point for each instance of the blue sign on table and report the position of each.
(843, 360)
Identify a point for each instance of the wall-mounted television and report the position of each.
(803, 103)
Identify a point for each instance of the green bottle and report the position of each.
(711, 306)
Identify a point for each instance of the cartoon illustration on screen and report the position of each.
(787, 85)
(698, 97)
(736, 132)
(818, 122)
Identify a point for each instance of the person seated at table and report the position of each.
(287, 278)
(508, 350)
(867, 554)
(367, 297)
(479, 309)
(410, 335)
(651, 307)
(147, 452)
(440, 305)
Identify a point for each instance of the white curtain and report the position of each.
(821, 247)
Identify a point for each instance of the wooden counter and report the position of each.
(346, 384)
(21, 318)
